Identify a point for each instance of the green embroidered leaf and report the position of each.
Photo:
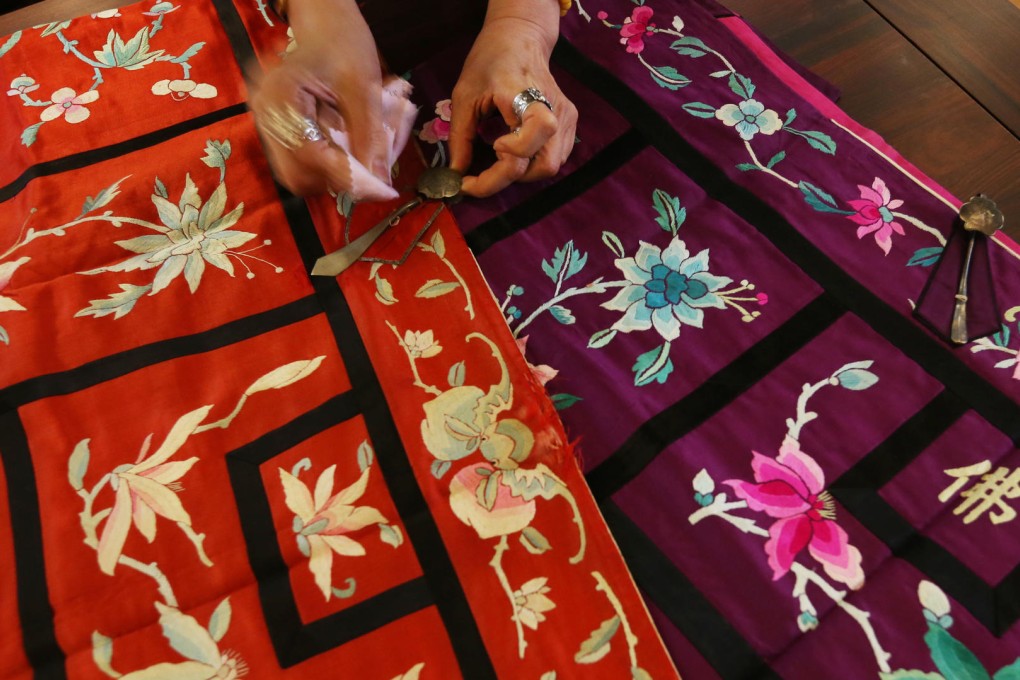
(4, 336)
(487, 491)
(28, 134)
(366, 455)
(11, 42)
(345, 206)
(219, 622)
(562, 314)
(438, 244)
(951, 657)
(533, 541)
(384, 291)
(530, 487)
(775, 160)
(719, 74)
(669, 78)
(601, 338)
(348, 591)
(456, 375)
(925, 257)
(117, 304)
(102, 653)
(741, 85)
(653, 366)
(188, 53)
(216, 155)
(1002, 337)
(303, 545)
(597, 644)
(391, 535)
(285, 375)
(746, 167)
(699, 109)
(791, 115)
(820, 200)
(102, 198)
(856, 379)
(910, 675)
(565, 262)
(78, 464)
(564, 401)
(817, 140)
(440, 467)
(159, 188)
(434, 288)
(132, 55)
(671, 214)
(1010, 672)
(690, 46)
(613, 243)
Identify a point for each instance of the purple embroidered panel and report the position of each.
(718, 290)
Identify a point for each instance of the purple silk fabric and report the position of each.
(722, 279)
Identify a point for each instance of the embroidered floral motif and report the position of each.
(437, 129)
(179, 90)
(1000, 342)
(790, 488)
(635, 28)
(532, 602)
(69, 104)
(874, 214)
(750, 117)
(22, 85)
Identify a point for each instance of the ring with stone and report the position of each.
(526, 98)
(288, 127)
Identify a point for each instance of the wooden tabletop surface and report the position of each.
(936, 78)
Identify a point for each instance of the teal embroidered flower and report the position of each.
(749, 117)
(667, 288)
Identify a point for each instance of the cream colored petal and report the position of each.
(188, 637)
(62, 95)
(51, 112)
(161, 87)
(170, 472)
(297, 496)
(115, 530)
(324, 486)
(162, 500)
(342, 545)
(76, 114)
(352, 493)
(204, 91)
(528, 618)
(321, 565)
(362, 517)
(145, 520)
(175, 439)
(10, 305)
(87, 97)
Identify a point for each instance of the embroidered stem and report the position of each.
(803, 575)
(703, 46)
(767, 170)
(922, 226)
(469, 306)
(59, 231)
(614, 601)
(580, 10)
(197, 539)
(225, 422)
(659, 75)
(69, 47)
(803, 415)
(720, 509)
(497, 566)
(596, 286)
(582, 537)
(431, 389)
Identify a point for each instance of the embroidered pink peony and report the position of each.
(635, 28)
(437, 129)
(790, 488)
(874, 214)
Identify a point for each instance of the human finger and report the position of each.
(551, 157)
(361, 108)
(505, 171)
(464, 117)
(536, 129)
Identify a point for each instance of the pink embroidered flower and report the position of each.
(543, 373)
(69, 104)
(635, 28)
(790, 488)
(438, 129)
(874, 214)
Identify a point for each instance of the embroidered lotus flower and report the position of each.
(324, 520)
(480, 499)
(23, 84)
(7, 270)
(191, 235)
(635, 28)
(146, 489)
(874, 214)
(749, 117)
(532, 602)
(189, 639)
(69, 104)
(438, 129)
(790, 488)
(668, 288)
(180, 90)
(421, 344)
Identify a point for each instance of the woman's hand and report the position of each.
(510, 55)
(333, 78)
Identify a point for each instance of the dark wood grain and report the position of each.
(892, 87)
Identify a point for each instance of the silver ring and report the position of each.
(526, 98)
(288, 127)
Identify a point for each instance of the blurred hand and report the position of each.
(333, 77)
(510, 55)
